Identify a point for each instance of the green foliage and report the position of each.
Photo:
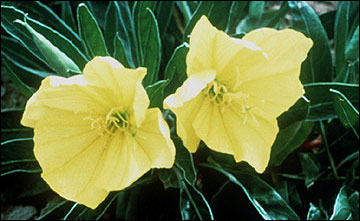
(313, 170)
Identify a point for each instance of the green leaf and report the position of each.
(168, 178)
(352, 48)
(321, 99)
(236, 13)
(265, 199)
(328, 21)
(23, 88)
(299, 111)
(29, 76)
(118, 22)
(256, 9)
(288, 140)
(275, 20)
(90, 32)
(67, 15)
(10, 125)
(204, 8)
(310, 169)
(156, 93)
(164, 12)
(193, 204)
(17, 156)
(129, 31)
(342, 208)
(54, 38)
(219, 16)
(318, 65)
(175, 71)
(184, 160)
(149, 44)
(287, 190)
(57, 59)
(341, 33)
(316, 213)
(11, 48)
(46, 16)
(127, 204)
(348, 114)
(119, 51)
(270, 18)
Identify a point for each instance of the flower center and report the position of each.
(217, 93)
(117, 119)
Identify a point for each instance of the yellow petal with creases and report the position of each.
(185, 103)
(200, 55)
(70, 153)
(252, 137)
(106, 72)
(129, 157)
(276, 86)
(65, 94)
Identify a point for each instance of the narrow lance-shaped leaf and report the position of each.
(21, 33)
(321, 99)
(119, 52)
(67, 15)
(236, 12)
(17, 156)
(220, 13)
(163, 15)
(11, 47)
(256, 9)
(268, 202)
(352, 48)
(47, 16)
(156, 93)
(57, 59)
(288, 139)
(28, 76)
(90, 32)
(310, 169)
(341, 33)
(184, 160)
(204, 8)
(23, 88)
(150, 46)
(175, 71)
(342, 208)
(318, 65)
(348, 114)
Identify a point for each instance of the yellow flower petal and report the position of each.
(257, 79)
(213, 49)
(130, 157)
(252, 137)
(65, 94)
(286, 49)
(185, 103)
(85, 139)
(199, 57)
(275, 85)
(190, 89)
(233, 132)
(125, 83)
(69, 153)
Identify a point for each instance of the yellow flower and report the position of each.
(236, 89)
(93, 132)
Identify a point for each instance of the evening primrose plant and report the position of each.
(181, 110)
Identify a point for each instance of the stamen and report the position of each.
(117, 119)
(217, 93)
